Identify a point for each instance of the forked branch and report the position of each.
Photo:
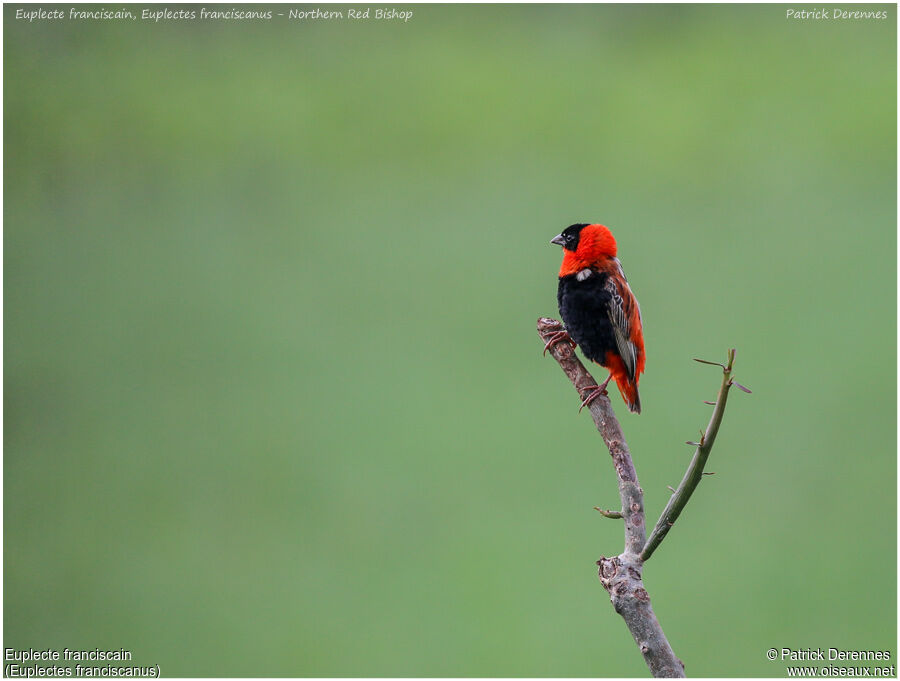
(621, 575)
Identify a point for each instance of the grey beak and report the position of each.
(558, 239)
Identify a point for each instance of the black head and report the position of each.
(570, 236)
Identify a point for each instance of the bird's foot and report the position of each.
(594, 392)
(559, 337)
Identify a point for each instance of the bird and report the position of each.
(599, 310)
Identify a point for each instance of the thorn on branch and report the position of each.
(608, 514)
(712, 404)
(692, 443)
(710, 473)
(672, 489)
(746, 390)
(718, 364)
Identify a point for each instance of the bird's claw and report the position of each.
(594, 392)
(558, 337)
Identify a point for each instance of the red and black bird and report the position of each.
(599, 310)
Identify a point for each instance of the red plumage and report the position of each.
(598, 307)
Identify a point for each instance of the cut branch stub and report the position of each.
(621, 577)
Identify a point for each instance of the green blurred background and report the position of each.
(274, 401)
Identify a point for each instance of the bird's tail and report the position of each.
(630, 394)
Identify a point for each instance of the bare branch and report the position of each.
(621, 575)
(610, 430)
(694, 473)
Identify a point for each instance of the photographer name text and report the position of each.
(825, 14)
(797, 654)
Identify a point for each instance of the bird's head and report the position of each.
(584, 246)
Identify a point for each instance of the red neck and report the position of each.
(596, 247)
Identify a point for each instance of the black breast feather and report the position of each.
(584, 306)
